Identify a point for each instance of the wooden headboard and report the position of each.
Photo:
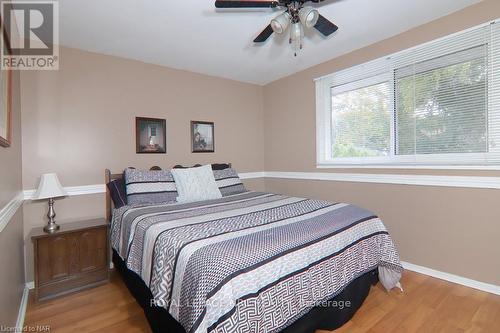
(108, 176)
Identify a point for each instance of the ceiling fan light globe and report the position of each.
(280, 23)
(308, 16)
(297, 32)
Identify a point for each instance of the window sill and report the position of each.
(407, 166)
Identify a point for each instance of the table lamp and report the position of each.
(50, 188)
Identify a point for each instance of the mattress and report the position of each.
(253, 261)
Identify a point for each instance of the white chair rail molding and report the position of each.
(408, 179)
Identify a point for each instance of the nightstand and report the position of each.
(74, 258)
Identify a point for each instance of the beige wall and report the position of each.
(81, 119)
(11, 237)
(448, 229)
(12, 273)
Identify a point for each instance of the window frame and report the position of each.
(384, 70)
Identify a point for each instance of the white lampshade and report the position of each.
(49, 187)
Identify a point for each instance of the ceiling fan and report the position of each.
(296, 14)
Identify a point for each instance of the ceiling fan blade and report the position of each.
(245, 4)
(325, 26)
(264, 35)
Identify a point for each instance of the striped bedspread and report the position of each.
(251, 262)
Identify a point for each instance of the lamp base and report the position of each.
(51, 228)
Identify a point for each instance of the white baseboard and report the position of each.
(22, 310)
(490, 288)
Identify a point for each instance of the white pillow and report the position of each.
(196, 184)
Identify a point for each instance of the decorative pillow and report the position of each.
(229, 182)
(149, 187)
(196, 184)
(118, 193)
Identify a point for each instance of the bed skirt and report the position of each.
(329, 316)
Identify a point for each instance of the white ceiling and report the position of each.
(192, 35)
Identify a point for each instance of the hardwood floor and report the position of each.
(427, 305)
(108, 308)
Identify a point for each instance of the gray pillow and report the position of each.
(196, 184)
(229, 182)
(149, 187)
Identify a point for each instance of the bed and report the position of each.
(250, 262)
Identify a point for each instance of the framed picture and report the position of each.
(202, 137)
(5, 96)
(150, 135)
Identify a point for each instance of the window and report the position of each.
(361, 121)
(435, 105)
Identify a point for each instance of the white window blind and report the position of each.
(441, 105)
(437, 104)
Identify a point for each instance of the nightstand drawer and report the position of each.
(73, 258)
